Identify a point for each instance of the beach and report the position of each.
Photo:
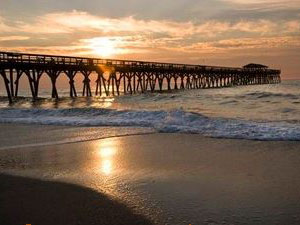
(141, 112)
(151, 178)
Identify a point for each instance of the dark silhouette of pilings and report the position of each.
(6, 84)
(133, 76)
(71, 75)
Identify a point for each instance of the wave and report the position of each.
(176, 121)
(263, 94)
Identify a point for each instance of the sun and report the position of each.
(104, 47)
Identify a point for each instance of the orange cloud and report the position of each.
(3, 26)
(293, 26)
(80, 33)
(75, 21)
(130, 33)
(67, 22)
(14, 38)
(246, 43)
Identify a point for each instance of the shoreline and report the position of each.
(9, 142)
(157, 178)
(45, 135)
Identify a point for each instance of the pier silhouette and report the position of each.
(133, 76)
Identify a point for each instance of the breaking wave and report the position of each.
(174, 121)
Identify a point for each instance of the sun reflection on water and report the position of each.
(103, 102)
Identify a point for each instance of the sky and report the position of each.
(210, 32)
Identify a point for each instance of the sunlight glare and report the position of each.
(104, 47)
(107, 152)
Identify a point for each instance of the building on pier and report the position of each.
(255, 66)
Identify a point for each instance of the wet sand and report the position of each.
(33, 201)
(162, 178)
(24, 135)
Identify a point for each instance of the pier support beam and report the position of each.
(37, 74)
(98, 90)
(53, 74)
(19, 74)
(86, 84)
(71, 75)
(6, 84)
(31, 83)
(11, 81)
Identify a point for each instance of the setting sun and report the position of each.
(104, 47)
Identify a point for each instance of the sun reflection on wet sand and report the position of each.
(106, 167)
(107, 149)
(107, 152)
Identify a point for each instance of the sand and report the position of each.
(151, 178)
(24, 135)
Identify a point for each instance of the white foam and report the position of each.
(176, 121)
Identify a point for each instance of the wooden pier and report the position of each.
(133, 76)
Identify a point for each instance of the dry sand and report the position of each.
(162, 178)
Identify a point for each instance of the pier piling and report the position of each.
(134, 76)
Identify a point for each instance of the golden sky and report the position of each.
(214, 32)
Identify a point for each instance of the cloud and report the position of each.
(293, 26)
(55, 50)
(68, 22)
(243, 45)
(80, 22)
(81, 28)
(14, 38)
(247, 43)
(80, 33)
(261, 26)
(264, 4)
(3, 26)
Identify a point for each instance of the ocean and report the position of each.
(256, 112)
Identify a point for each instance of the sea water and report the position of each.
(259, 112)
